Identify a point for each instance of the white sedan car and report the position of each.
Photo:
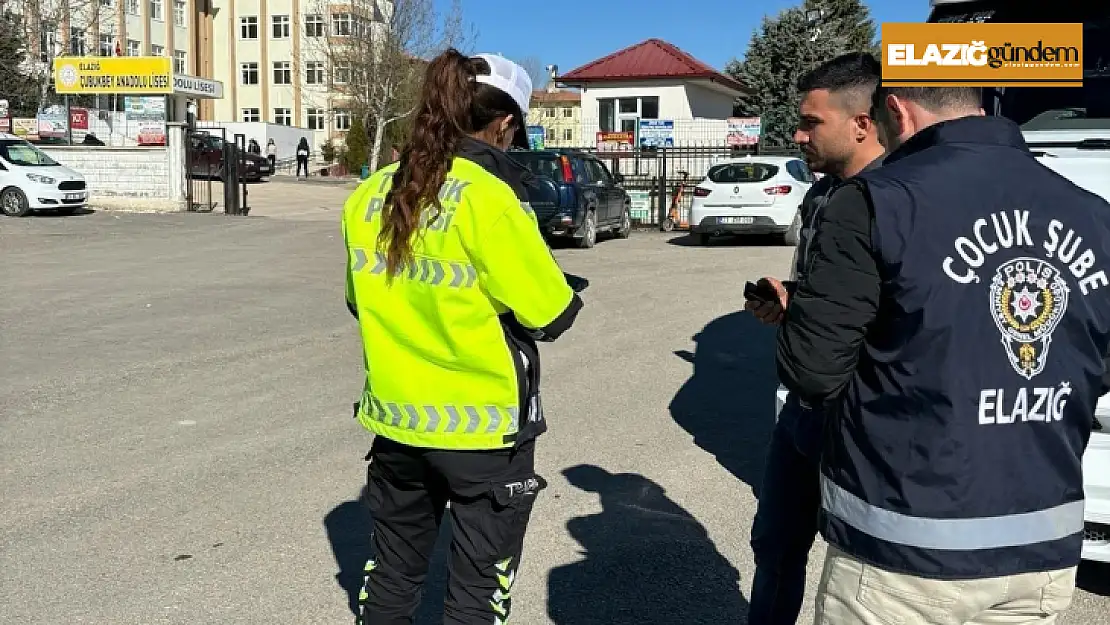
(1096, 482)
(32, 181)
(751, 195)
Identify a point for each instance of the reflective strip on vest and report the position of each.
(434, 272)
(1026, 528)
(449, 419)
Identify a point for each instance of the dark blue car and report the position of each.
(574, 196)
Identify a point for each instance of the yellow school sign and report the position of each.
(137, 75)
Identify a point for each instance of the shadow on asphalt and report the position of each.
(728, 404)
(647, 561)
(1094, 577)
(80, 212)
(740, 240)
(348, 527)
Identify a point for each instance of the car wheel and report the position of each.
(703, 240)
(625, 229)
(793, 234)
(13, 203)
(589, 231)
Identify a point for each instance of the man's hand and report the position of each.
(770, 313)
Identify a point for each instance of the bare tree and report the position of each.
(536, 71)
(377, 51)
(49, 29)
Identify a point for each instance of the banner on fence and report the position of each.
(742, 131)
(25, 128)
(615, 141)
(53, 122)
(656, 133)
(79, 118)
(150, 113)
(535, 137)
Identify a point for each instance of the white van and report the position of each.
(32, 181)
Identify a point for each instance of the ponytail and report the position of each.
(443, 117)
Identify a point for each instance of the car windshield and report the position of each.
(19, 152)
(540, 164)
(732, 173)
(1048, 108)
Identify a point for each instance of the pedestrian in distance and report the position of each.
(303, 153)
(958, 410)
(839, 139)
(271, 153)
(453, 286)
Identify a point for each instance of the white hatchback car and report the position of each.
(32, 181)
(751, 195)
(1096, 481)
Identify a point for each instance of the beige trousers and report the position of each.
(854, 593)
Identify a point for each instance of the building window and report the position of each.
(249, 72)
(77, 42)
(606, 115)
(314, 73)
(568, 134)
(106, 47)
(47, 39)
(549, 112)
(315, 119)
(342, 119)
(568, 112)
(156, 10)
(649, 107)
(281, 26)
(251, 115)
(283, 117)
(132, 47)
(282, 74)
(179, 62)
(157, 50)
(248, 27)
(342, 74)
(105, 3)
(133, 7)
(314, 26)
(179, 13)
(341, 24)
(550, 134)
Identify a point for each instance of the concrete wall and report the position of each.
(146, 178)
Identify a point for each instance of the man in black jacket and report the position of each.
(839, 140)
(959, 409)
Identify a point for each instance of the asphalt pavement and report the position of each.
(177, 443)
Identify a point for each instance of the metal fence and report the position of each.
(214, 166)
(660, 181)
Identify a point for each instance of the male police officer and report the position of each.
(839, 140)
(959, 408)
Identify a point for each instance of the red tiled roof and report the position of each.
(651, 59)
(542, 96)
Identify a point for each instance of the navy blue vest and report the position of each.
(958, 444)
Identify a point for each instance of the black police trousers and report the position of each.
(491, 494)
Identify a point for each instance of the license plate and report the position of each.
(74, 196)
(738, 221)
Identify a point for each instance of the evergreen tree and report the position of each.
(16, 86)
(783, 49)
(356, 152)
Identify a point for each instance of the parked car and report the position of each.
(751, 195)
(206, 153)
(32, 181)
(574, 196)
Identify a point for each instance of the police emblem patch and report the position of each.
(1028, 298)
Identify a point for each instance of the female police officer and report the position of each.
(452, 285)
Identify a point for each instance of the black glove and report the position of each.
(578, 283)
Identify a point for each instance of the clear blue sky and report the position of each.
(570, 33)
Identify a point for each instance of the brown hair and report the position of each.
(452, 105)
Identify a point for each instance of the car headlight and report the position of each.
(41, 179)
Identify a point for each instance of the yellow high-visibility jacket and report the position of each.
(451, 360)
